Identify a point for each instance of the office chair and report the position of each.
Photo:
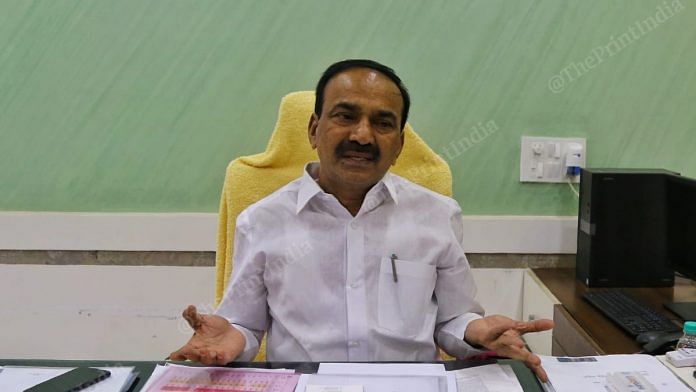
(248, 179)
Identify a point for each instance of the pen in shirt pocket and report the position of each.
(393, 263)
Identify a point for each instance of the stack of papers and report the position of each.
(19, 378)
(378, 378)
(610, 373)
(349, 377)
(189, 378)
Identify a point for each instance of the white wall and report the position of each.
(98, 312)
(134, 313)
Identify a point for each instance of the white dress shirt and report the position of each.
(320, 281)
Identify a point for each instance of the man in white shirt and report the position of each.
(350, 262)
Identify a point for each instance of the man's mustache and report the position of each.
(352, 146)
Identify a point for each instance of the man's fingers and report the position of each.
(211, 357)
(534, 362)
(185, 353)
(535, 326)
(513, 339)
(192, 317)
(224, 358)
(205, 357)
(504, 336)
(541, 373)
(498, 325)
(531, 360)
(507, 340)
(515, 351)
(177, 356)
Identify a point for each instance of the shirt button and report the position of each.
(354, 225)
(353, 343)
(354, 285)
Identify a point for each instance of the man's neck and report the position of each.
(351, 201)
(350, 197)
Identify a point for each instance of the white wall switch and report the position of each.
(546, 159)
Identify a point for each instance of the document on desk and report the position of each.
(487, 378)
(160, 369)
(635, 372)
(19, 378)
(373, 377)
(191, 378)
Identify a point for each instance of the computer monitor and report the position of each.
(681, 236)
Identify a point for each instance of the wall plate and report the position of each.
(543, 159)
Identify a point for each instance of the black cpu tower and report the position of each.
(622, 228)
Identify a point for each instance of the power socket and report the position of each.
(543, 159)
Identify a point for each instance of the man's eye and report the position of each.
(385, 124)
(344, 116)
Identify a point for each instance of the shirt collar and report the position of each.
(388, 181)
(309, 187)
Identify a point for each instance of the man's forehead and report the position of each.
(356, 83)
(363, 78)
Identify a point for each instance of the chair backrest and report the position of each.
(249, 179)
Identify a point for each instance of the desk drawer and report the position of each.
(569, 339)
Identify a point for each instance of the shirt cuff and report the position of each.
(450, 336)
(251, 347)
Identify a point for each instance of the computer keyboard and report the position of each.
(634, 317)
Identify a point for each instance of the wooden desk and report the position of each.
(582, 330)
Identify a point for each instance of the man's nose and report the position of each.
(362, 132)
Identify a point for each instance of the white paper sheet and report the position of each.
(383, 369)
(588, 374)
(487, 378)
(382, 377)
(684, 373)
(19, 378)
(159, 369)
(332, 388)
(375, 383)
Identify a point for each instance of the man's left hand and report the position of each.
(504, 336)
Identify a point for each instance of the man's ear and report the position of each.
(312, 130)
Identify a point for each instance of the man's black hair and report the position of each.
(345, 65)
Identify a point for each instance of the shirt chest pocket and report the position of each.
(403, 305)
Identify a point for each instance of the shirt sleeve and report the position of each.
(251, 348)
(244, 303)
(455, 291)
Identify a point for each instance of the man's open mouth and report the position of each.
(358, 156)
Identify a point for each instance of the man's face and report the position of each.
(358, 135)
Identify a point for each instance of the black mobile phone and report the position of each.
(72, 381)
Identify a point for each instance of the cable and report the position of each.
(572, 187)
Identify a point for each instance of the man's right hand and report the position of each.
(214, 342)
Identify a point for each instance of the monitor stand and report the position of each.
(685, 310)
